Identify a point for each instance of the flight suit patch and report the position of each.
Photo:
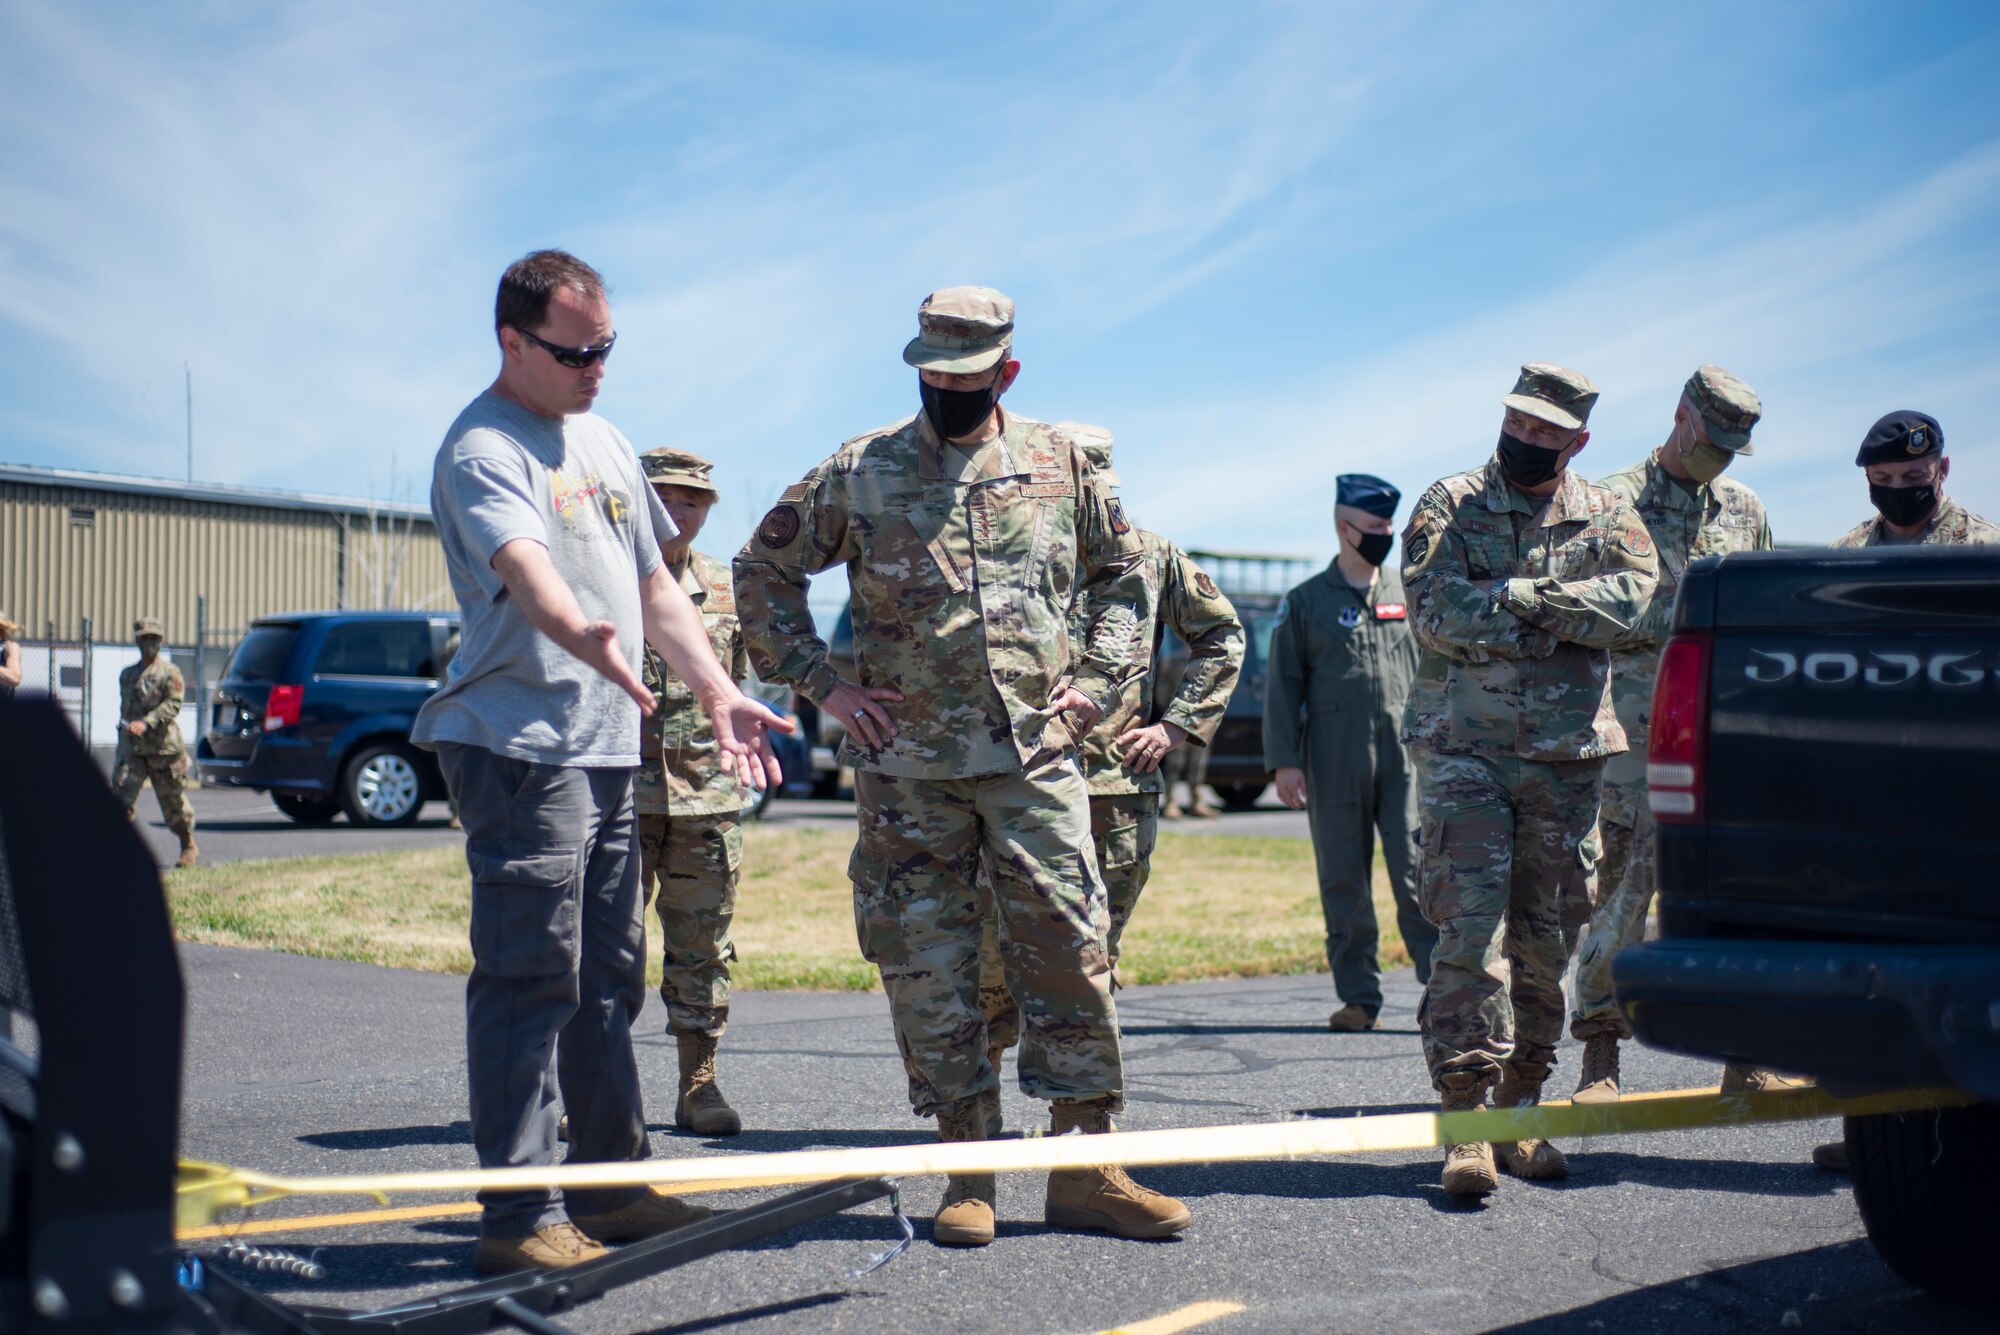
(1349, 617)
(1391, 612)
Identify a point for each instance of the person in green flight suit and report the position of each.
(1341, 662)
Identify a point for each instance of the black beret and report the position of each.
(1900, 437)
(1367, 493)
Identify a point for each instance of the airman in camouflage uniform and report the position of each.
(1122, 755)
(1521, 576)
(149, 738)
(1906, 465)
(1904, 455)
(967, 532)
(687, 805)
(1691, 510)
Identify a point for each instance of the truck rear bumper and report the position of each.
(1843, 1013)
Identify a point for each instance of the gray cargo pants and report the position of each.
(558, 973)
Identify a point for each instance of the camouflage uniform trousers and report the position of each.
(1508, 866)
(1627, 873)
(688, 867)
(919, 909)
(1124, 826)
(169, 778)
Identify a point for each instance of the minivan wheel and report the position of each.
(1238, 796)
(382, 785)
(307, 810)
(1926, 1182)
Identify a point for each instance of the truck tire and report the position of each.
(382, 784)
(1238, 796)
(306, 810)
(1926, 1182)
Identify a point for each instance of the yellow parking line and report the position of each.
(1186, 1318)
(300, 1223)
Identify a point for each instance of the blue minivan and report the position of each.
(315, 708)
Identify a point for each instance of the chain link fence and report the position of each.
(78, 667)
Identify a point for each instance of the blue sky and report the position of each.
(1264, 244)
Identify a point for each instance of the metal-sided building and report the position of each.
(83, 555)
(111, 548)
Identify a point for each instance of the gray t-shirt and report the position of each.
(572, 484)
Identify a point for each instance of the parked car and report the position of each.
(1820, 760)
(315, 708)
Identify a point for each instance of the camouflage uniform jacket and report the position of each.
(1525, 672)
(1686, 523)
(1181, 597)
(1952, 525)
(678, 774)
(961, 572)
(152, 693)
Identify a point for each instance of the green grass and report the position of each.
(1218, 906)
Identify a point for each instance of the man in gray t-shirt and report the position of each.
(553, 541)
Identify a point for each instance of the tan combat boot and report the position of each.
(1598, 1082)
(189, 850)
(1350, 1019)
(550, 1247)
(648, 1216)
(1202, 810)
(1534, 1160)
(701, 1107)
(1468, 1169)
(1105, 1197)
(965, 1216)
(1743, 1078)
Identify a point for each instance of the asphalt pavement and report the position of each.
(235, 824)
(299, 1065)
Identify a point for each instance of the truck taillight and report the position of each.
(282, 709)
(1677, 745)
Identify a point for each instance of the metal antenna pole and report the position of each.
(189, 373)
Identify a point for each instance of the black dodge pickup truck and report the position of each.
(1823, 766)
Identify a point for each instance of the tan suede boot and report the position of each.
(701, 1107)
(550, 1247)
(1468, 1169)
(1105, 1197)
(189, 850)
(965, 1216)
(1534, 1160)
(1598, 1082)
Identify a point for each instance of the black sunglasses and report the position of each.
(574, 358)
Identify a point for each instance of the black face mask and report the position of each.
(1525, 464)
(1905, 507)
(1374, 547)
(957, 412)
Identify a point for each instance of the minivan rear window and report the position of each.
(261, 653)
(378, 649)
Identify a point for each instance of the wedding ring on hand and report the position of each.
(859, 712)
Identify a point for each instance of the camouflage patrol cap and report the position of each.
(961, 330)
(669, 467)
(1898, 437)
(1554, 394)
(1727, 406)
(145, 626)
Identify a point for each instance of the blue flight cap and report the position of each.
(1367, 493)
